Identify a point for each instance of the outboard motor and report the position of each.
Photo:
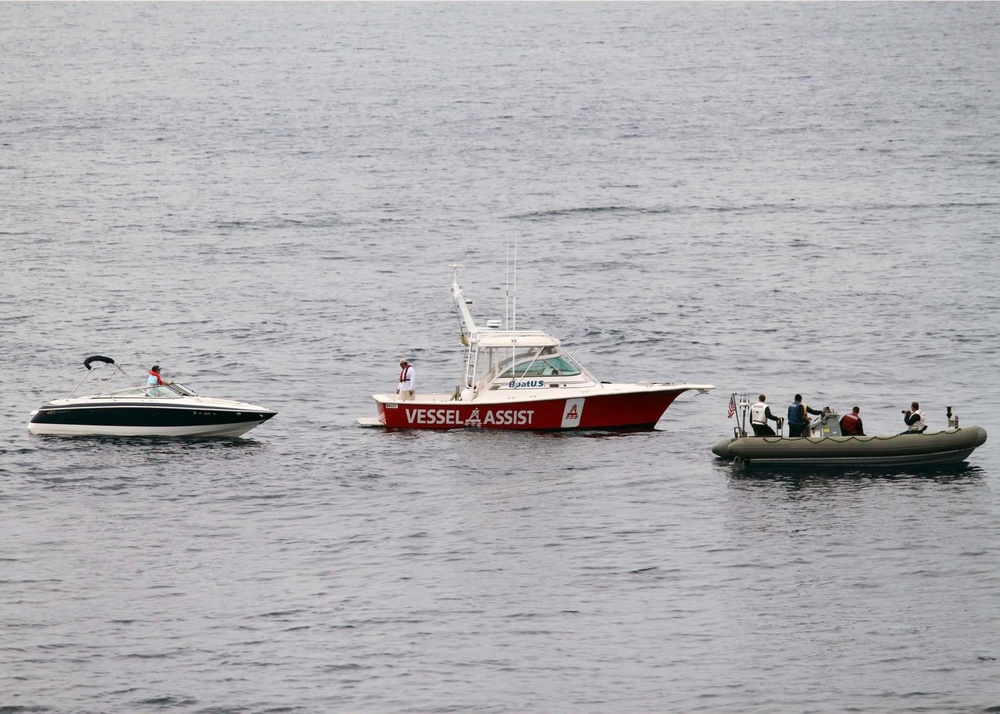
(827, 425)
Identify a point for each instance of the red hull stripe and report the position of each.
(594, 412)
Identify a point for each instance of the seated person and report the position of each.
(851, 424)
(914, 419)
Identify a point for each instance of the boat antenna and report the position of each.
(513, 315)
(506, 287)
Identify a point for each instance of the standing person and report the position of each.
(759, 415)
(798, 416)
(407, 381)
(851, 424)
(914, 419)
(155, 379)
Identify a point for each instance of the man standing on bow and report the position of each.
(407, 382)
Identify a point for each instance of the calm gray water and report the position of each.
(264, 199)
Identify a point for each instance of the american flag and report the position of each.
(732, 405)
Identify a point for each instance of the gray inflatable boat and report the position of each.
(827, 447)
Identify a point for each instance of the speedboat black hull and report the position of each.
(928, 449)
(122, 419)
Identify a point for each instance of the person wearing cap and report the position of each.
(407, 381)
(154, 380)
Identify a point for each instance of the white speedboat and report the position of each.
(165, 410)
(525, 379)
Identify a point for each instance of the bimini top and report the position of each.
(125, 389)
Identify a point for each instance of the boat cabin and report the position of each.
(518, 360)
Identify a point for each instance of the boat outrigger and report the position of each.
(525, 379)
(162, 410)
(826, 446)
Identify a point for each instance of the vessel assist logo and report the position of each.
(434, 417)
(509, 417)
(572, 413)
(452, 417)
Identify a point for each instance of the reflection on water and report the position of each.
(100, 460)
(156, 444)
(797, 477)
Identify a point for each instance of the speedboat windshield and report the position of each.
(163, 391)
(184, 391)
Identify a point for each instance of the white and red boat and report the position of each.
(524, 379)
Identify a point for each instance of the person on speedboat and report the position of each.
(798, 416)
(851, 424)
(914, 419)
(155, 379)
(760, 413)
(407, 382)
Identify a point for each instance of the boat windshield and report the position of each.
(184, 391)
(550, 366)
(164, 391)
(541, 362)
